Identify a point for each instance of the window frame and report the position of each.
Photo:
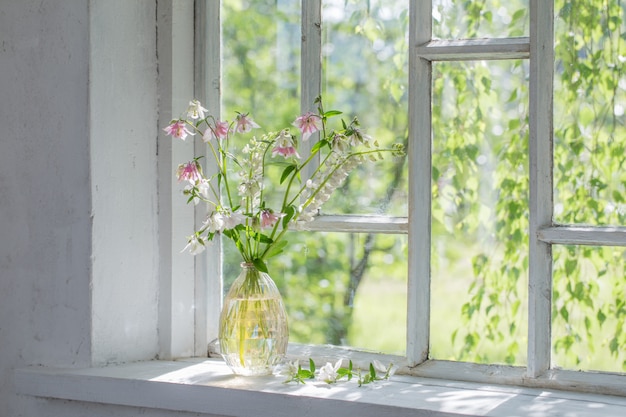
(543, 232)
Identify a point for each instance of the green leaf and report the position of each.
(453, 336)
(319, 145)
(276, 249)
(579, 291)
(260, 265)
(259, 237)
(518, 14)
(331, 113)
(486, 82)
(304, 374)
(312, 366)
(436, 174)
(570, 266)
(287, 172)
(515, 307)
(289, 213)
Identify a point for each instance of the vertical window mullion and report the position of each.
(311, 67)
(176, 270)
(420, 193)
(541, 197)
(207, 83)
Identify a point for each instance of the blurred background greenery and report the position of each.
(350, 288)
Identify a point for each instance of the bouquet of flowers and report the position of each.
(237, 194)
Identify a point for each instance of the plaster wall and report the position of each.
(45, 201)
(78, 192)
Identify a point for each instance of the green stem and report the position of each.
(318, 169)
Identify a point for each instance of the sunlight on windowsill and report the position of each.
(203, 385)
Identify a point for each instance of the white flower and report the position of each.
(188, 190)
(214, 222)
(328, 373)
(231, 220)
(195, 110)
(244, 123)
(382, 370)
(218, 221)
(323, 196)
(203, 189)
(194, 245)
(359, 137)
(289, 369)
(340, 144)
(249, 188)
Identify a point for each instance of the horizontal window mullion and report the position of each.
(588, 382)
(583, 235)
(475, 49)
(358, 224)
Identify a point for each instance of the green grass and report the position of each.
(379, 324)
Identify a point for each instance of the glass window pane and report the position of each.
(340, 288)
(480, 212)
(589, 308)
(261, 61)
(365, 66)
(455, 19)
(589, 105)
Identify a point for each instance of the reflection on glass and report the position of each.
(479, 212)
(365, 66)
(340, 288)
(480, 19)
(589, 105)
(589, 308)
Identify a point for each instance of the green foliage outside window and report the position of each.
(339, 287)
(589, 308)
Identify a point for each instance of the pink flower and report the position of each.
(178, 129)
(308, 123)
(189, 172)
(285, 151)
(245, 123)
(269, 219)
(219, 131)
(284, 145)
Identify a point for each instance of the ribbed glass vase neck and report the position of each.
(253, 279)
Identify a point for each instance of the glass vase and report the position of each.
(253, 330)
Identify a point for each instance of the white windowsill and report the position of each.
(207, 386)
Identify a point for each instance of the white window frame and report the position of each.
(543, 232)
